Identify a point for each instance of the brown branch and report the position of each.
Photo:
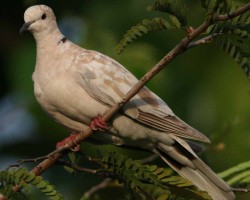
(181, 47)
(2, 197)
(43, 166)
(178, 49)
(208, 39)
(233, 14)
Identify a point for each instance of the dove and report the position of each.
(76, 86)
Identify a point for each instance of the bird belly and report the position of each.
(70, 105)
(67, 102)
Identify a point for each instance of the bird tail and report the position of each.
(185, 162)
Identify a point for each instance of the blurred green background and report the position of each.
(204, 86)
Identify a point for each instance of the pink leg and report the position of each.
(64, 141)
(98, 124)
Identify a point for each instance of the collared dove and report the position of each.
(75, 85)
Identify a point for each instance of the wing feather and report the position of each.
(107, 81)
(172, 124)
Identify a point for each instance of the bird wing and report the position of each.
(107, 82)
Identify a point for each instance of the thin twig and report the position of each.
(43, 166)
(91, 171)
(76, 167)
(181, 47)
(241, 189)
(97, 187)
(204, 40)
(33, 160)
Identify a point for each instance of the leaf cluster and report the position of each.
(21, 177)
(149, 181)
(232, 36)
(145, 181)
(216, 7)
(237, 176)
(176, 19)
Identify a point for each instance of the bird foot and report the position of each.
(98, 123)
(64, 141)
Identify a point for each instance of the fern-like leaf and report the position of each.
(141, 29)
(24, 178)
(233, 37)
(148, 182)
(237, 175)
(7, 182)
(216, 6)
(238, 54)
(174, 8)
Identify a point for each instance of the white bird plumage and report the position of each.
(74, 85)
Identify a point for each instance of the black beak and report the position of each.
(25, 27)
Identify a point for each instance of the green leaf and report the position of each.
(72, 157)
(30, 177)
(237, 175)
(216, 6)
(155, 169)
(42, 185)
(48, 189)
(20, 173)
(143, 28)
(165, 173)
(37, 180)
(176, 9)
(69, 169)
(234, 38)
(149, 181)
(7, 177)
(128, 163)
(233, 170)
(163, 197)
(23, 176)
(238, 53)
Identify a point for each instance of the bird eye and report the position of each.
(43, 16)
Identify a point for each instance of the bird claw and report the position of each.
(98, 124)
(64, 141)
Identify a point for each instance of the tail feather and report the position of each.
(204, 183)
(194, 170)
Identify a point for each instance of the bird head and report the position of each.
(39, 18)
